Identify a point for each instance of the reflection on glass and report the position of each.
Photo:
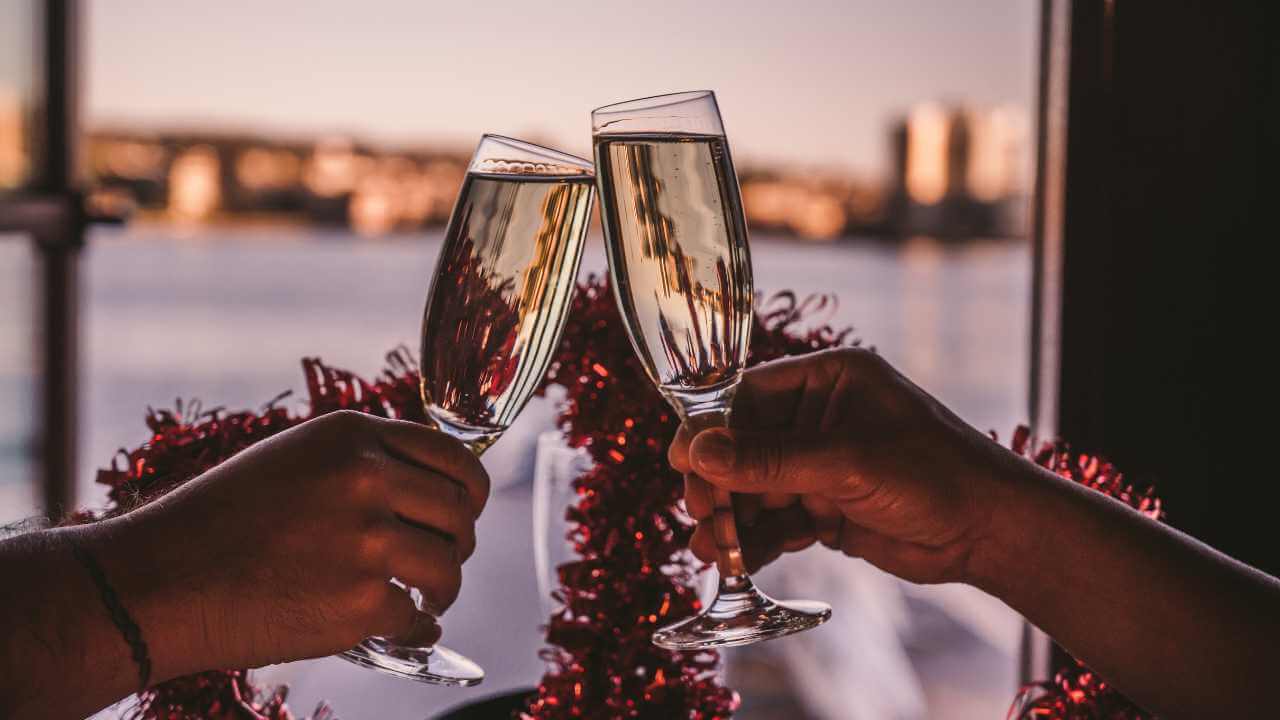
(501, 294)
(683, 267)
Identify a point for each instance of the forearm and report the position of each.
(62, 654)
(1182, 629)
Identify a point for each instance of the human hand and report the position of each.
(286, 550)
(839, 447)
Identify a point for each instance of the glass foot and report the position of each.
(436, 665)
(742, 615)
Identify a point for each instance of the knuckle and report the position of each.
(346, 421)
(369, 595)
(865, 360)
(857, 357)
(357, 429)
(768, 461)
(363, 485)
(363, 462)
(374, 545)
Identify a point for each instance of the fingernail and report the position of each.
(715, 452)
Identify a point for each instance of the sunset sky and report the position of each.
(800, 83)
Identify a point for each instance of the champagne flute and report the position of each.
(494, 314)
(681, 268)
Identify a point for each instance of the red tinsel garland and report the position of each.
(633, 573)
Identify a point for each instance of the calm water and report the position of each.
(224, 316)
(17, 319)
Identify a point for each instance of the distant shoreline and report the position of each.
(154, 226)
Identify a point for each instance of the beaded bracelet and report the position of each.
(119, 616)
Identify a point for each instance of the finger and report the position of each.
(678, 450)
(777, 501)
(827, 518)
(429, 500)
(772, 394)
(795, 390)
(433, 450)
(396, 614)
(746, 508)
(769, 394)
(423, 631)
(703, 543)
(429, 562)
(799, 539)
(909, 561)
(758, 462)
(697, 498)
(776, 533)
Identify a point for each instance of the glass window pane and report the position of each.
(884, 155)
(17, 378)
(19, 91)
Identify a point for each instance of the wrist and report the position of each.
(149, 588)
(59, 628)
(1014, 527)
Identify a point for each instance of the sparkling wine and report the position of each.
(494, 314)
(681, 270)
(678, 255)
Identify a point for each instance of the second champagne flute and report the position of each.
(681, 269)
(497, 304)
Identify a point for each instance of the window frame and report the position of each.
(50, 211)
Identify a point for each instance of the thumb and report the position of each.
(757, 462)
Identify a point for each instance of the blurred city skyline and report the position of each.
(813, 85)
(958, 172)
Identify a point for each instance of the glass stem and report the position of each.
(733, 571)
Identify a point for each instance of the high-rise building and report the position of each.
(957, 171)
(13, 141)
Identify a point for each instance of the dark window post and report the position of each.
(1161, 116)
(49, 209)
(59, 245)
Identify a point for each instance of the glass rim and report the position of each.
(645, 103)
(529, 158)
(663, 113)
